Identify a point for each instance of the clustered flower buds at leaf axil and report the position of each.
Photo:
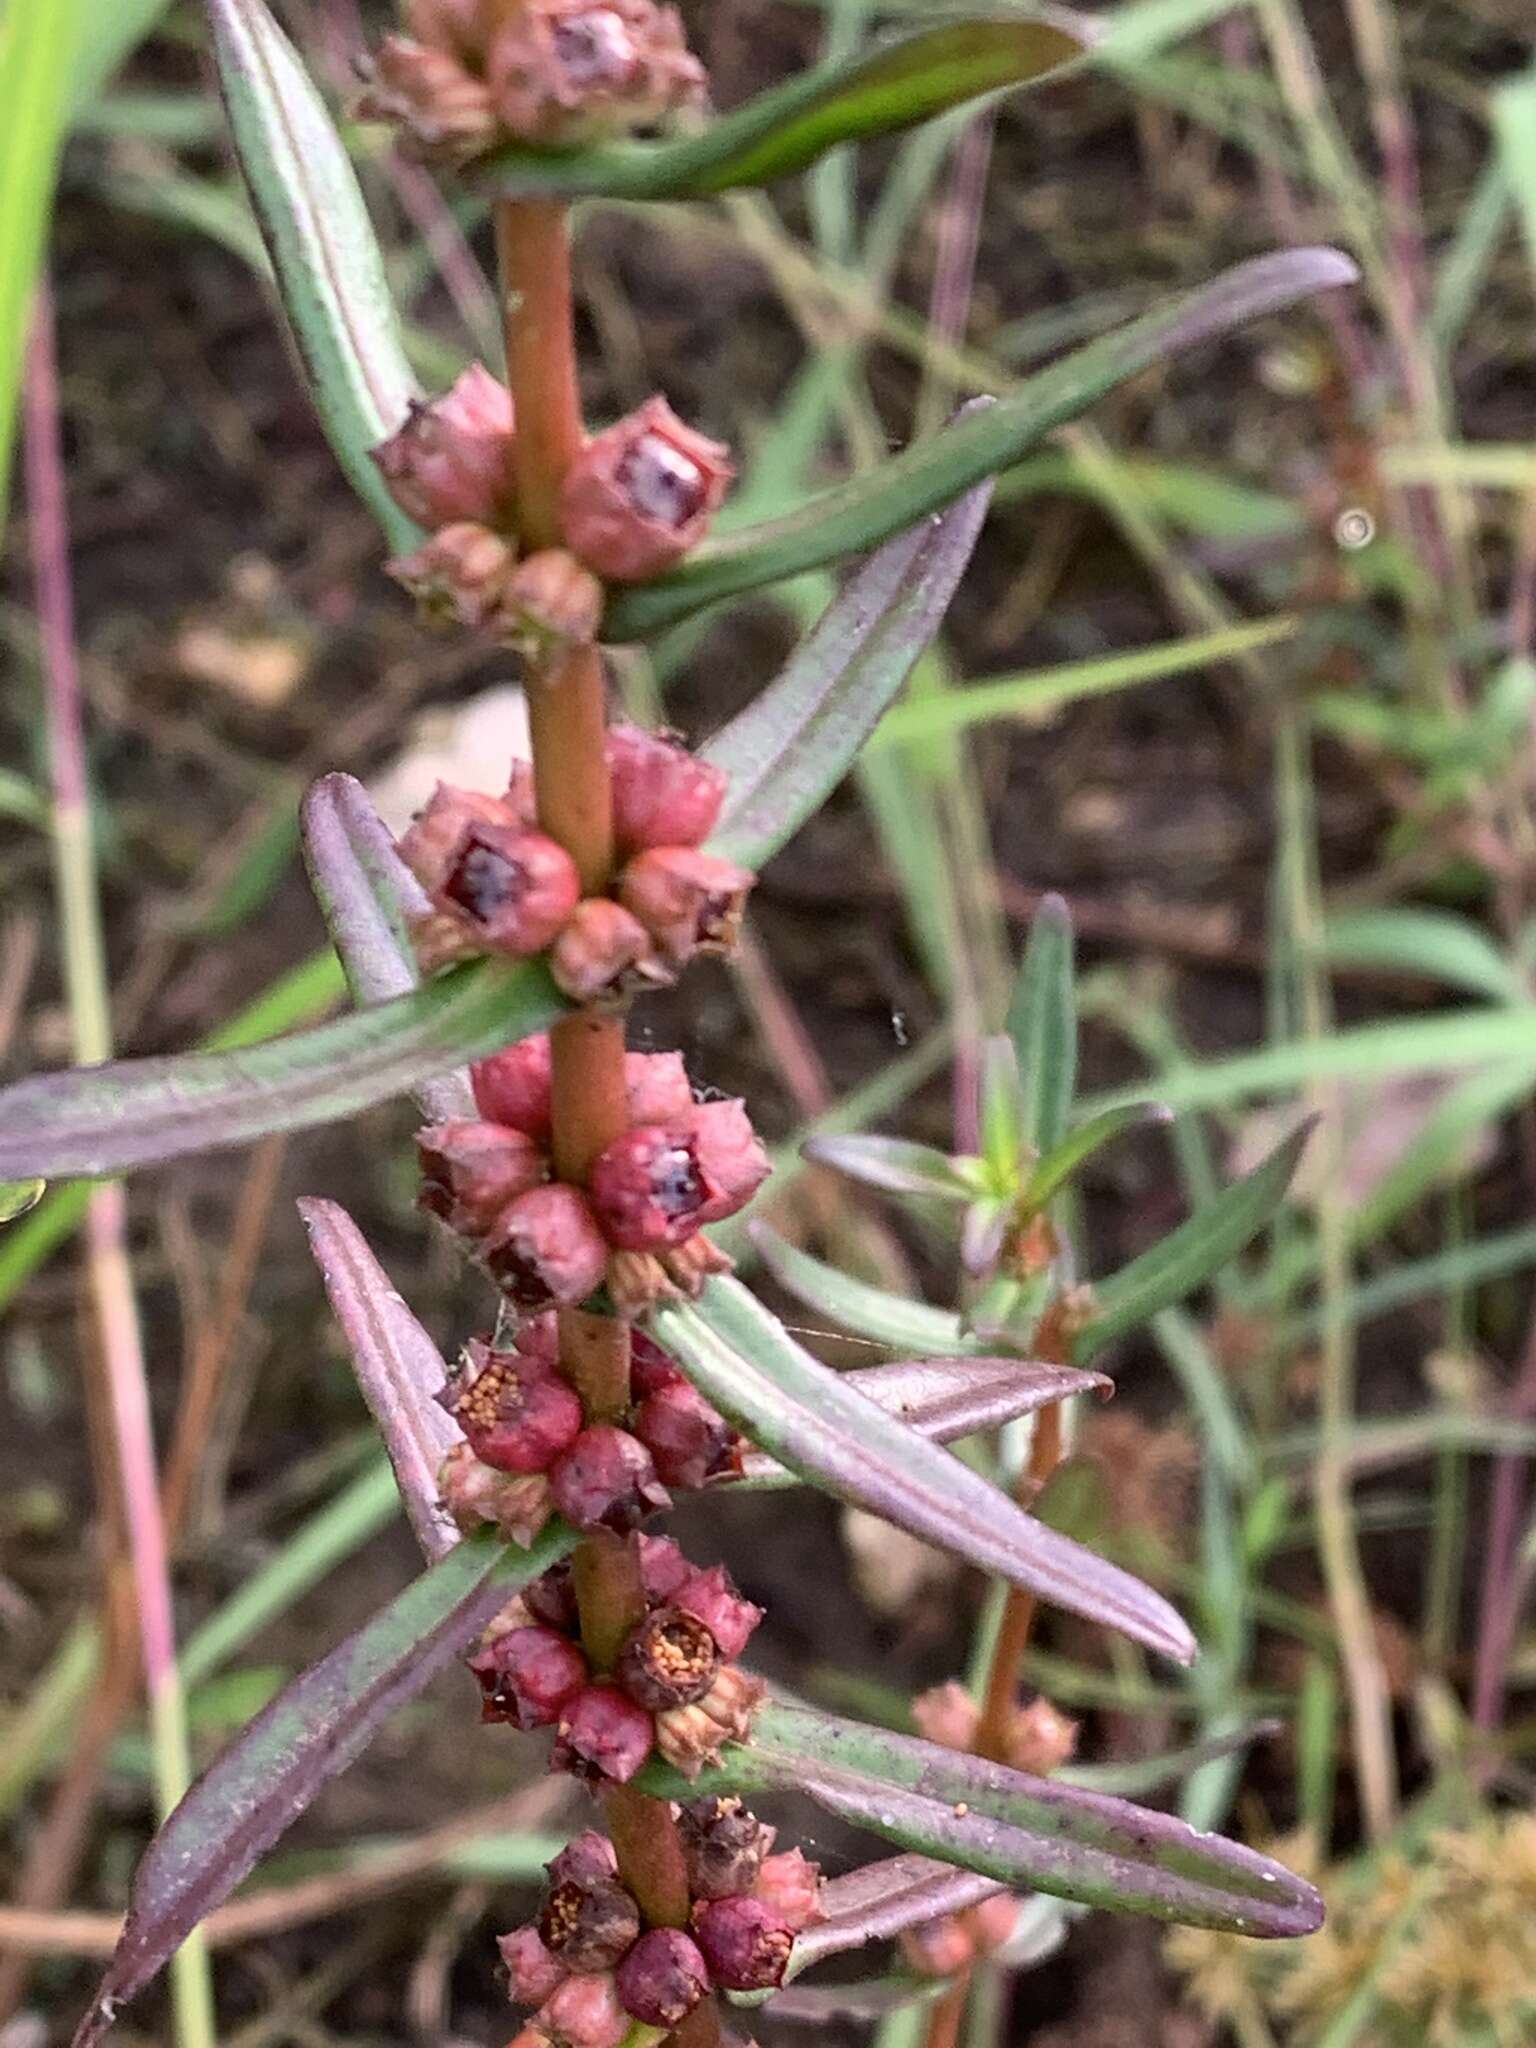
(470, 1171)
(641, 494)
(495, 885)
(603, 954)
(606, 1481)
(745, 1943)
(662, 794)
(528, 1676)
(518, 1504)
(689, 902)
(517, 1412)
(603, 1737)
(452, 460)
(547, 1247)
(653, 1187)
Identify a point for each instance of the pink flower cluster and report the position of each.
(674, 1688)
(590, 1967)
(499, 885)
(469, 75)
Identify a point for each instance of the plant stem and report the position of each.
(109, 1272)
(1019, 1610)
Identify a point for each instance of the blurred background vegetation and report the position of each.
(1245, 668)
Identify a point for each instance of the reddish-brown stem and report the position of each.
(701, 2029)
(1019, 1611)
(632, 1824)
(609, 1595)
(947, 2017)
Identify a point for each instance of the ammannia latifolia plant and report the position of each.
(495, 956)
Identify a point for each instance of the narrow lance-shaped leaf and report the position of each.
(102, 1120)
(876, 92)
(934, 471)
(330, 274)
(797, 739)
(884, 1899)
(1077, 1147)
(398, 1367)
(1042, 1022)
(895, 1165)
(1023, 1831)
(1187, 1257)
(866, 1311)
(745, 1361)
(946, 1398)
(297, 1743)
(366, 892)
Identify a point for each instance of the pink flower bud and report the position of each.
(606, 1481)
(452, 460)
(662, 794)
(470, 1171)
(643, 493)
(993, 1921)
(603, 1735)
(745, 1943)
(662, 1978)
(713, 1597)
(549, 601)
(551, 1599)
(689, 902)
(657, 1087)
(602, 953)
(522, 797)
(948, 1716)
(533, 1974)
(583, 2013)
(790, 1886)
(689, 1441)
(439, 104)
(647, 1190)
(518, 1414)
(528, 1676)
(651, 1371)
(939, 1948)
(538, 1337)
(669, 1661)
(430, 845)
(730, 1156)
(565, 71)
(511, 889)
(547, 1247)
(724, 1847)
(589, 1924)
(458, 576)
(587, 1859)
(517, 1504)
(663, 1567)
(513, 1086)
(1041, 1738)
(692, 1736)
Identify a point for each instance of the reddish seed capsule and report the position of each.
(606, 1481)
(587, 1859)
(518, 1414)
(443, 108)
(549, 602)
(518, 1504)
(745, 1943)
(589, 1926)
(566, 71)
(538, 1337)
(452, 460)
(430, 846)
(657, 1087)
(993, 1921)
(713, 1597)
(689, 1441)
(647, 1189)
(669, 1661)
(947, 1715)
(650, 1369)
(643, 493)
(513, 889)
(528, 1676)
(692, 1736)
(583, 2013)
(790, 1885)
(663, 1567)
(513, 1086)
(603, 1735)
(662, 794)
(551, 1599)
(662, 1978)
(731, 1159)
(470, 1171)
(724, 1846)
(454, 25)
(533, 1974)
(459, 575)
(939, 1948)
(1041, 1738)
(689, 902)
(602, 953)
(547, 1247)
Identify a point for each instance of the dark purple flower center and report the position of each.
(661, 482)
(483, 881)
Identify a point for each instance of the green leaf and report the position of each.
(308, 1735)
(889, 1319)
(897, 1166)
(934, 471)
(1063, 1160)
(1032, 1833)
(1042, 1022)
(1436, 943)
(1004, 1117)
(743, 1360)
(330, 274)
(781, 131)
(797, 739)
(1190, 1255)
(103, 1120)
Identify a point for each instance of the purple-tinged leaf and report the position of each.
(366, 892)
(398, 1368)
(325, 257)
(1063, 1160)
(894, 1165)
(1025, 1832)
(103, 1120)
(946, 1398)
(302, 1739)
(873, 1312)
(883, 1900)
(797, 739)
(891, 496)
(810, 1419)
